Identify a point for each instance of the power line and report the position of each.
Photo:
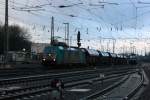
(80, 17)
(39, 6)
(42, 9)
(132, 3)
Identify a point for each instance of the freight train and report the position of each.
(58, 55)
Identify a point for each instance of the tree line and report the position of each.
(18, 39)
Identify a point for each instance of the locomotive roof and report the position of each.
(72, 49)
(105, 54)
(113, 54)
(120, 56)
(92, 52)
(60, 44)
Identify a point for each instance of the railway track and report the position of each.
(15, 88)
(121, 90)
(27, 71)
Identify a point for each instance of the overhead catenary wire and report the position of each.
(53, 12)
(95, 18)
(72, 15)
(27, 10)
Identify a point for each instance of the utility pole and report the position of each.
(52, 30)
(114, 41)
(6, 40)
(131, 47)
(66, 33)
(100, 42)
(136, 8)
(145, 51)
(70, 40)
(107, 46)
(123, 49)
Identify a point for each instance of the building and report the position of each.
(38, 48)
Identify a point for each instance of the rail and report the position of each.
(134, 91)
(110, 88)
(22, 92)
(94, 95)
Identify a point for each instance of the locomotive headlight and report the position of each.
(44, 59)
(54, 59)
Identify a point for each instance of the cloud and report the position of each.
(108, 19)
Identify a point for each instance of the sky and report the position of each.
(102, 23)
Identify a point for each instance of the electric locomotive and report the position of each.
(61, 55)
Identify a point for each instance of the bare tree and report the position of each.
(18, 38)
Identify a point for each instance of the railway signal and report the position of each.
(78, 39)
